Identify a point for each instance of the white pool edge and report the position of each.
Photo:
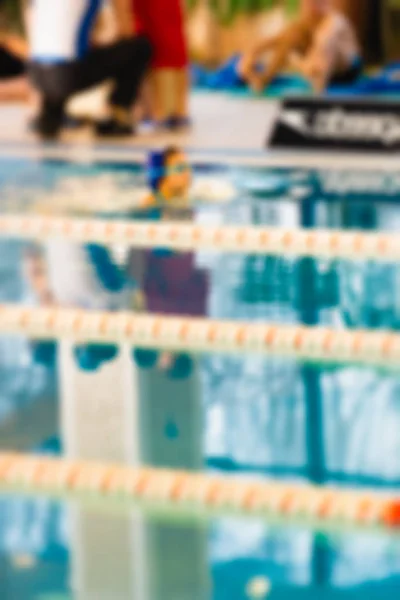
(257, 158)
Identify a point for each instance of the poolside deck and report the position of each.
(220, 122)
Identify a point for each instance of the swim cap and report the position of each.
(155, 169)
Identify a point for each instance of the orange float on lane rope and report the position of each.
(317, 344)
(319, 243)
(183, 491)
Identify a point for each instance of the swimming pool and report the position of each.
(262, 415)
(64, 552)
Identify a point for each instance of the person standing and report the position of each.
(162, 21)
(63, 61)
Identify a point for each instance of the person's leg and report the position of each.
(160, 81)
(126, 63)
(170, 91)
(181, 98)
(348, 75)
(278, 60)
(329, 64)
(143, 106)
(55, 83)
(135, 59)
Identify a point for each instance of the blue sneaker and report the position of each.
(178, 123)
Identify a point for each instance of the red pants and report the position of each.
(162, 21)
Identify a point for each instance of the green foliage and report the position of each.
(227, 10)
(11, 12)
(292, 6)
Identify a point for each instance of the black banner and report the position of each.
(337, 124)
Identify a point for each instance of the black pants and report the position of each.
(125, 63)
(10, 65)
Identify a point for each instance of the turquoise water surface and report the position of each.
(267, 416)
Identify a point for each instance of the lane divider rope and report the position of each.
(319, 243)
(194, 491)
(319, 344)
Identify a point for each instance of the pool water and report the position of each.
(51, 551)
(261, 415)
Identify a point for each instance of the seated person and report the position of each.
(320, 44)
(63, 62)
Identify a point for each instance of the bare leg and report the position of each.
(143, 108)
(161, 80)
(319, 69)
(182, 87)
(277, 62)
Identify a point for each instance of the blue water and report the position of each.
(271, 415)
(42, 555)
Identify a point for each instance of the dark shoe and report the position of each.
(68, 122)
(73, 123)
(48, 123)
(113, 128)
(178, 123)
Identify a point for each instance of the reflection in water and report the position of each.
(257, 411)
(84, 552)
